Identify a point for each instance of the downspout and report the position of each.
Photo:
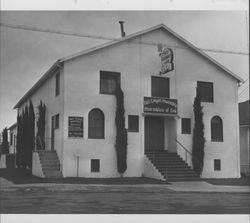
(237, 131)
(61, 70)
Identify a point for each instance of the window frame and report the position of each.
(57, 121)
(189, 131)
(111, 73)
(217, 164)
(11, 138)
(90, 134)
(97, 168)
(57, 84)
(136, 119)
(211, 100)
(152, 89)
(218, 138)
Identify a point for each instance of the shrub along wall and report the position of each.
(198, 136)
(25, 137)
(121, 133)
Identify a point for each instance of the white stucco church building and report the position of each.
(158, 72)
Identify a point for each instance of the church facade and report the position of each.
(159, 72)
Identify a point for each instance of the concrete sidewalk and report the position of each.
(191, 186)
(202, 186)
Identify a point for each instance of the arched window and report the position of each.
(216, 129)
(96, 124)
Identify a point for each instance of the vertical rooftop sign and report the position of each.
(167, 56)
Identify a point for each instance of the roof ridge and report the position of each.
(161, 25)
(118, 40)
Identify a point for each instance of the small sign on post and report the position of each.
(75, 127)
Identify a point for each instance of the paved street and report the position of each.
(134, 200)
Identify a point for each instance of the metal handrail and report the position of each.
(39, 140)
(187, 151)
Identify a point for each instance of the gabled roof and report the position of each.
(12, 126)
(116, 41)
(39, 83)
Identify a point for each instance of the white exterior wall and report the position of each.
(54, 105)
(150, 170)
(191, 68)
(12, 147)
(36, 165)
(3, 161)
(137, 63)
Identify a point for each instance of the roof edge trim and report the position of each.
(47, 74)
(81, 53)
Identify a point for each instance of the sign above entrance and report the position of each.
(75, 127)
(160, 105)
(167, 57)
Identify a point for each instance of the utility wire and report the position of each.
(29, 28)
(67, 33)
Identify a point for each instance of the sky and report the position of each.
(27, 55)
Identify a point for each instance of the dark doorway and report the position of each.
(154, 133)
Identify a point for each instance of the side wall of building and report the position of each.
(12, 140)
(54, 105)
(244, 149)
(192, 68)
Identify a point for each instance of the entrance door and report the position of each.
(154, 133)
(52, 132)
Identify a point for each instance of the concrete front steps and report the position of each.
(171, 166)
(50, 163)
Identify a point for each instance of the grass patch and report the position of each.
(21, 176)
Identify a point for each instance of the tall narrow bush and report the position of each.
(25, 136)
(198, 136)
(25, 148)
(5, 143)
(18, 141)
(31, 134)
(121, 133)
(40, 142)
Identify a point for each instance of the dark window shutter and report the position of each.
(216, 129)
(95, 165)
(57, 83)
(160, 87)
(206, 91)
(186, 126)
(96, 124)
(133, 123)
(109, 81)
(217, 164)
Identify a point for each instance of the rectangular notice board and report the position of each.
(159, 105)
(75, 127)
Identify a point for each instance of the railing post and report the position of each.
(153, 156)
(186, 156)
(166, 174)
